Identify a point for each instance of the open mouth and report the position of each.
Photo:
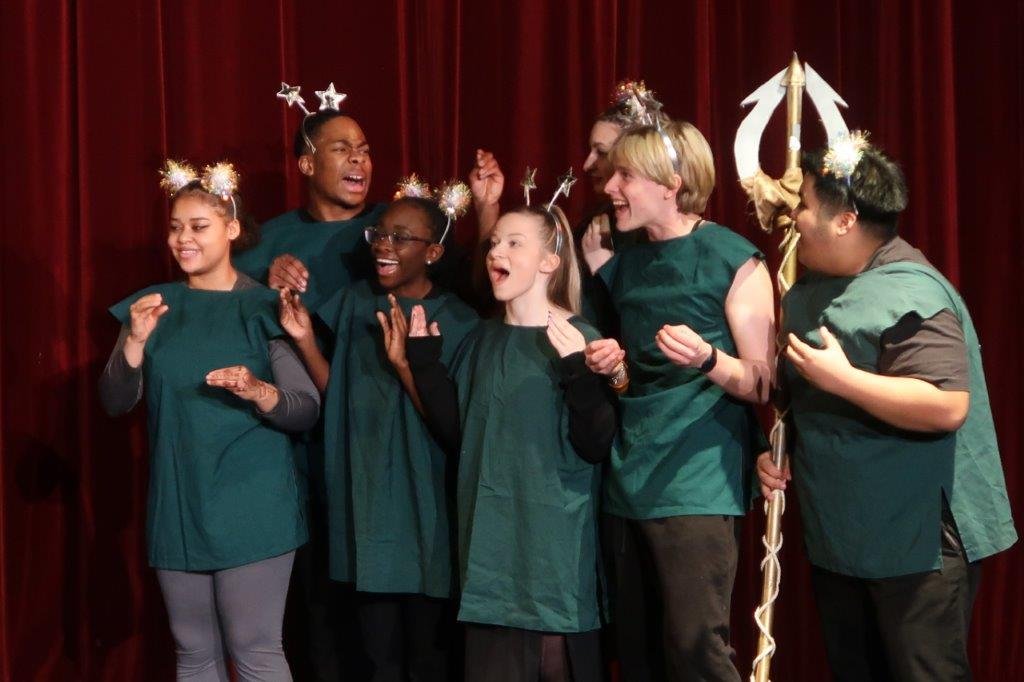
(187, 254)
(498, 274)
(621, 206)
(386, 267)
(354, 182)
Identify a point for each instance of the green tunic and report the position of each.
(387, 511)
(222, 484)
(334, 252)
(526, 501)
(686, 445)
(871, 494)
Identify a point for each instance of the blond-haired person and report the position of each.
(696, 308)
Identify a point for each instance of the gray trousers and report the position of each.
(241, 608)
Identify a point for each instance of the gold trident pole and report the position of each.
(773, 200)
(794, 82)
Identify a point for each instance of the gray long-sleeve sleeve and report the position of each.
(298, 404)
(120, 384)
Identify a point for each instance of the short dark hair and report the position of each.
(436, 220)
(312, 125)
(877, 191)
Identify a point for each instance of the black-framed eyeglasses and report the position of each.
(375, 234)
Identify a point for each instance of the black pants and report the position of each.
(321, 634)
(406, 636)
(673, 587)
(502, 654)
(908, 628)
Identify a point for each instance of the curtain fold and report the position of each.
(97, 93)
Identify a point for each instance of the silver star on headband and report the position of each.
(565, 183)
(529, 183)
(290, 94)
(330, 98)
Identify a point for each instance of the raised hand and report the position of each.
(604, 356)
(395, 330)
(246, 385)
(418, 326)
(145, 314)
(287, 271)
(486, 179)
(682, 345)
(565, 338)
(596, 243)
(294, 317)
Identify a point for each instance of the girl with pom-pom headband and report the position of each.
(452, 197)
(219, 179)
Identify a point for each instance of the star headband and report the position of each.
(640, 106)
(565, 184)
(329, 99)
(453, 197)
(219, 179)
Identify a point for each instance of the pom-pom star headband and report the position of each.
(219, 179)
(329, 99)
(453, 197)
(842, 157)
(641, 107)
(565, 184)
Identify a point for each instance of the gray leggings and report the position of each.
(242, 607)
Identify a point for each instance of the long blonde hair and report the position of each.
(556, 235)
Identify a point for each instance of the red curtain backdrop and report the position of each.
(96, 94)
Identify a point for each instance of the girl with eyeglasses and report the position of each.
(385, 476)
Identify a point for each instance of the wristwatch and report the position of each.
(710, 363)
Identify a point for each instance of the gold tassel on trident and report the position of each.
(773, 200)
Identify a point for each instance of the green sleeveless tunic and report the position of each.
(527, 502)
(335, 252)
(387, 509)
(871, 494)
(686, 445)
(222, 484)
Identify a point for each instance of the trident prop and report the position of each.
(773, 200)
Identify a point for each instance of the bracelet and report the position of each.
(619, 380)
(710, 363)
